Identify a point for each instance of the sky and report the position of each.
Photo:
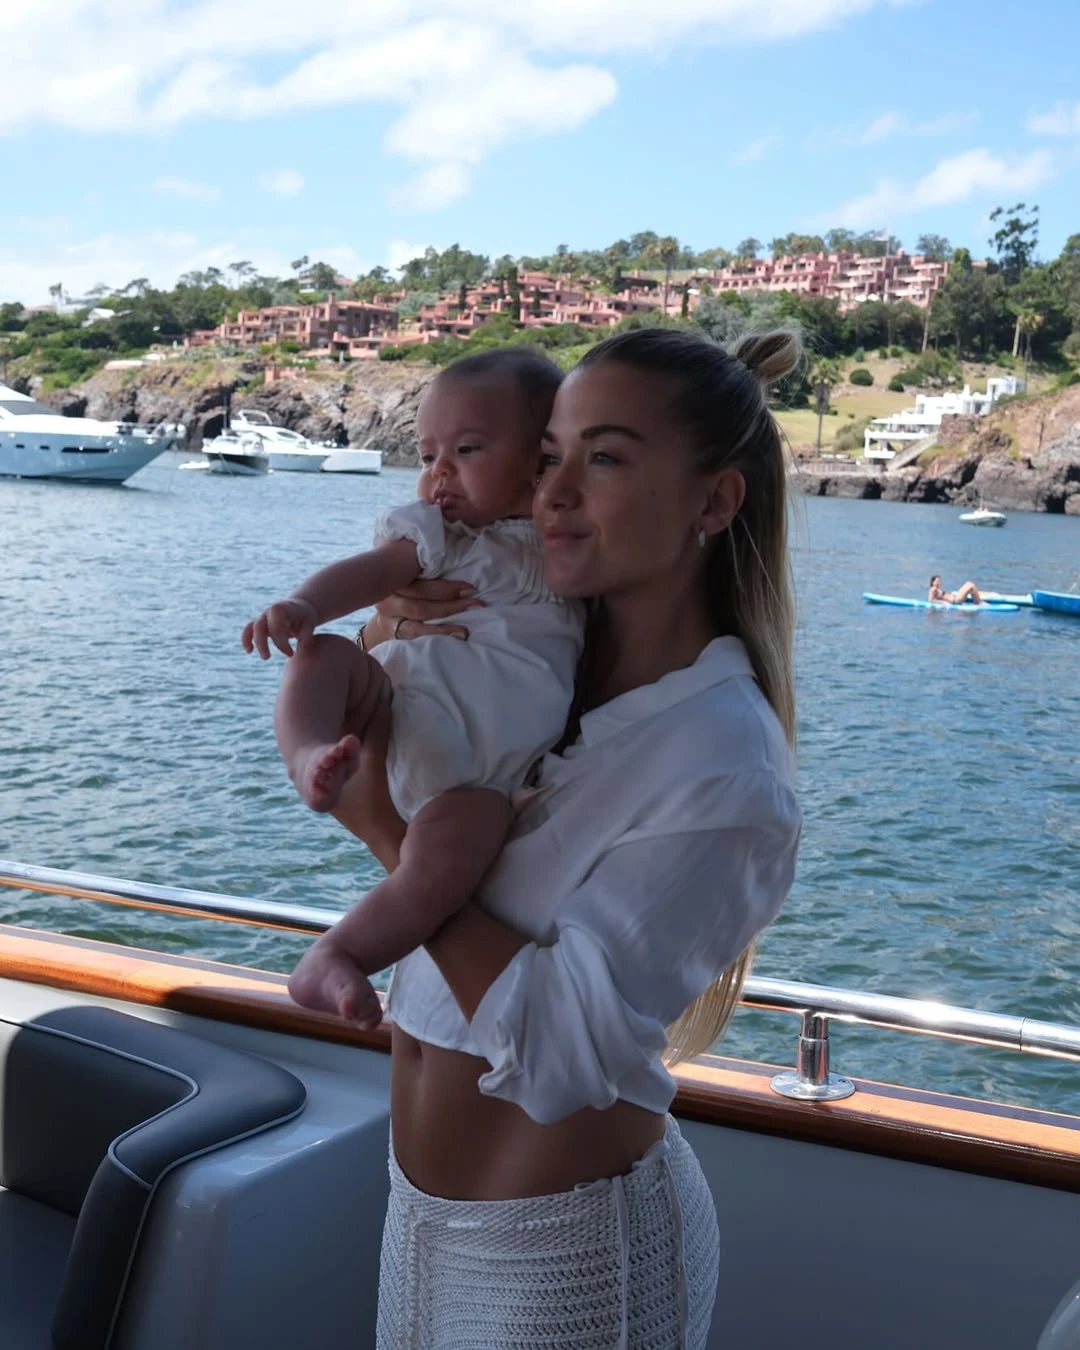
(147, 138)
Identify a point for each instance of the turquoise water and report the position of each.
(939, 755)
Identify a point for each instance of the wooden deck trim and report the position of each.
(988, 1138)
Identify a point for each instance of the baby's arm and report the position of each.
(354, 583)
(445, 853)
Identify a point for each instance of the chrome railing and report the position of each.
(816, 1005)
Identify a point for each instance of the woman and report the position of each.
(540, 1193)
(967, 594)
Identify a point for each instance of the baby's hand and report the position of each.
(280, 624)
(327, 979)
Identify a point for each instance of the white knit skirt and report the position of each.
(629, 1263)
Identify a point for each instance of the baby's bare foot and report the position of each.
(328, 980)
(324, 771)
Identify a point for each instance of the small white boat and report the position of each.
(982, 515)
(240, 456)
(289, 451)
(38, 442)
(350, 460)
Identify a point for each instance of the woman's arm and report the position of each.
(472, 950)
(579, 1020)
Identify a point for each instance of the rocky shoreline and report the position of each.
(370, 404)
(1024, 457)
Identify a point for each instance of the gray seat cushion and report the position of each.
(98, 1108)
(34, 1244)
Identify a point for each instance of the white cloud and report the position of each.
(893, 123)
(438, 186)
(973, 173)
(888, 124)
(283, 182)
(400, 251)
(754, 151)
(1060, 121)
(186, 188)
(465, 76)
(52, 251)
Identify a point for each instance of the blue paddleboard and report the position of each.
(1000, 598)
(906, 603)
(1057, 601)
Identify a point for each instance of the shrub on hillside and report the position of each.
(850, 437)
(883, 353)
(896, 385)
(860, 375)
(860, 355)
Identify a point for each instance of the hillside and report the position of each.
(1024, 457)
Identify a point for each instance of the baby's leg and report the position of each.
(321, 710)
(447, 849)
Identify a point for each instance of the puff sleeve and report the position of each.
(574, 1023)
(424, 526)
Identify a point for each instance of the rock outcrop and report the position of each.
(1024, 457)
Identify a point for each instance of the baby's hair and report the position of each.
(536, 378)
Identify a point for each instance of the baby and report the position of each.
(468, 717)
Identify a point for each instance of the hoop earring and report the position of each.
(702, 538)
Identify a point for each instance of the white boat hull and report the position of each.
(296, 461)
(79, 458)
(992, 518)
(238, 465)
(353, 461)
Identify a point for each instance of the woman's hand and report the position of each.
(411, 612)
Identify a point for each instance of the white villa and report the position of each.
(886, 437)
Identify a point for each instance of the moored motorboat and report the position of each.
(983, 515)
(351, 459)
(288, 451)
(240, 456)
(38, 442)
(261, 1130)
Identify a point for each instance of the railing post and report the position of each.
(810, 1080)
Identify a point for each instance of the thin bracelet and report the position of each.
(360, 638)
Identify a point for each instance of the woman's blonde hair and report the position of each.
(720, 405)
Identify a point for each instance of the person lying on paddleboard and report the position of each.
(967, 594)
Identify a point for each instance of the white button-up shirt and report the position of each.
(647, 858)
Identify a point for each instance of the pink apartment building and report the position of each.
(359, 329)
(849, 278)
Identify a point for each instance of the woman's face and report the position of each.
(618, 506)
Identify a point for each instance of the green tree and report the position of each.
(665, 252)
(1015, 240)
(320, 276)
(934, 246)
(824, 376)
(748, 249)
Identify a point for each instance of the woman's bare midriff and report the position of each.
(453, 1142)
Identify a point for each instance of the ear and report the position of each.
(726, 493)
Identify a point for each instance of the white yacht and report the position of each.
(349, 459)
(38, 442)
(289, 451)
(241, 455)
(983, 515)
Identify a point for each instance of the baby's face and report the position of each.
(478, 465)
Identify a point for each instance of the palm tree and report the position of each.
(824, 377)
